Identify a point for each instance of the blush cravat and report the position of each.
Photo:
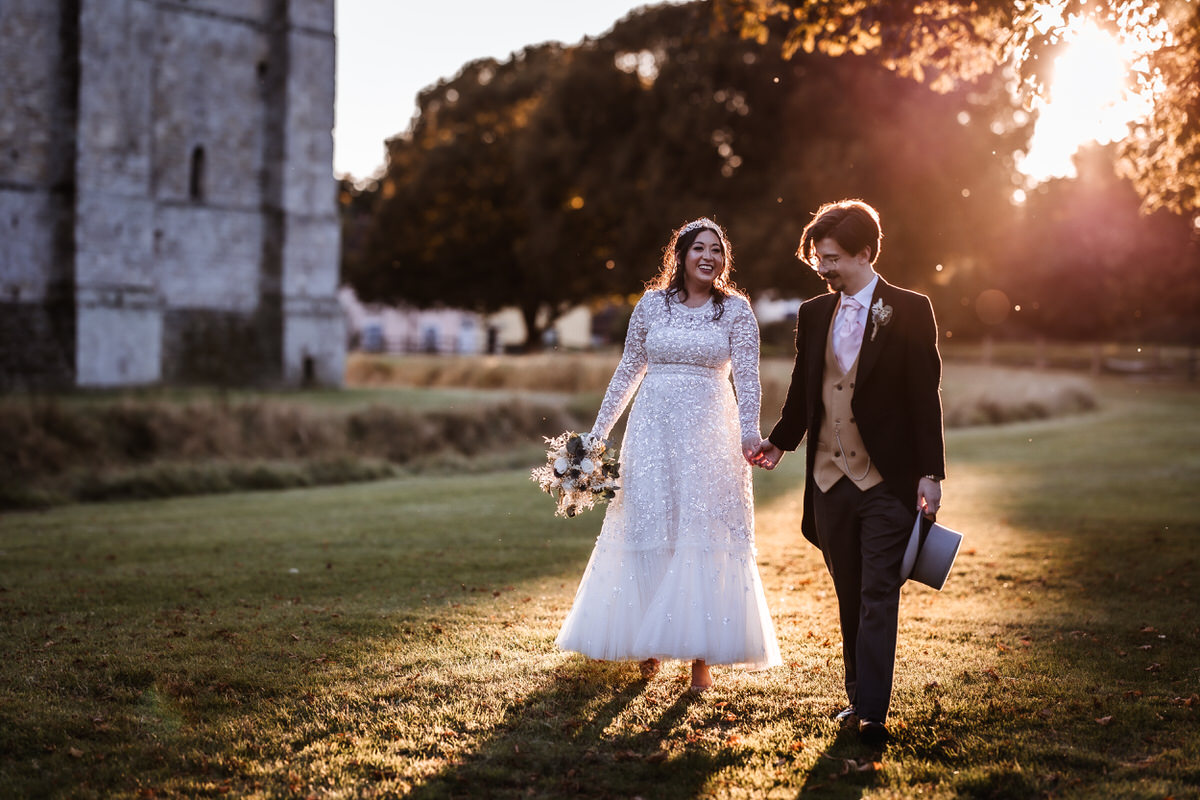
(847, 335)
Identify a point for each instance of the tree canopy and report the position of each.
(556, 177)
(946, 43)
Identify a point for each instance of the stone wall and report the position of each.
(38, 87)
(167, 202)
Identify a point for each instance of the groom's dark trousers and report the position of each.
(862, 537)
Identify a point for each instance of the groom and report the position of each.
(866, 391)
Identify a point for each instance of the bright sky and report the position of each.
(388, 50)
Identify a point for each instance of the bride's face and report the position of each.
(704, 261)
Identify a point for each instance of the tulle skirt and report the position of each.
(673, 573)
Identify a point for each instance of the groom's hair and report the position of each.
(853, 224)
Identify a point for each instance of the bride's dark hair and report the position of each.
(671, 277)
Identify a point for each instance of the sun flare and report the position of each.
(1091, 98)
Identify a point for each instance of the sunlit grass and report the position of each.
(397, 638)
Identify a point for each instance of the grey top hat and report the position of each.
(930, 554)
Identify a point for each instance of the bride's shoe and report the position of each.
(649, 668)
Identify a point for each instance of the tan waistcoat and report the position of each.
(840, 448)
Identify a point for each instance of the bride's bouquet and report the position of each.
(580, 470)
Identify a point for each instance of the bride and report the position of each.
(673, 573)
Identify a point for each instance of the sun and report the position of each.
(1091, 99)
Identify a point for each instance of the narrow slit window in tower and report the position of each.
(196, 179)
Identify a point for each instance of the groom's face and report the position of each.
(840, 270)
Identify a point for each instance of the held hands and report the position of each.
(929, 497)
(765, 455)
(750, 445)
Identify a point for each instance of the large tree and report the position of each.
(946, 42)
(556, 177)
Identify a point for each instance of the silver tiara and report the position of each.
(703, 222)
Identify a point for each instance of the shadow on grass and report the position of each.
(564, 741)
(842, 769)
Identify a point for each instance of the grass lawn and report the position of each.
(396, 638)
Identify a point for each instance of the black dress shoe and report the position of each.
(847, 717)
(873, 734)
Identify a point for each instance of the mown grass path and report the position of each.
(396, 639)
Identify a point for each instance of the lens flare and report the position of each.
(1091, 99)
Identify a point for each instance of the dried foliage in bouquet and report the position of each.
(580, 471)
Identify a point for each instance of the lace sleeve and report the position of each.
(629, 372)
(743, 353)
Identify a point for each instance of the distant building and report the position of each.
(377, 328)
(167, 204)
(571, 331)
(770, 309)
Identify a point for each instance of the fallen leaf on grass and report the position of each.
(991, 673)
(1104, 720)
(75, 752)
(1154, 667)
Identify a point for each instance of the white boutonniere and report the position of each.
(880, 315)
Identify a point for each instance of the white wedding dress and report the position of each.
(673, 573)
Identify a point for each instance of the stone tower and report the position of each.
(167, 203)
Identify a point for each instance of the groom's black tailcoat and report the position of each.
(897, 396)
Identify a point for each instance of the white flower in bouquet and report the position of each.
(580, 471)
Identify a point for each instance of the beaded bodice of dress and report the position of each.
(673, 337)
